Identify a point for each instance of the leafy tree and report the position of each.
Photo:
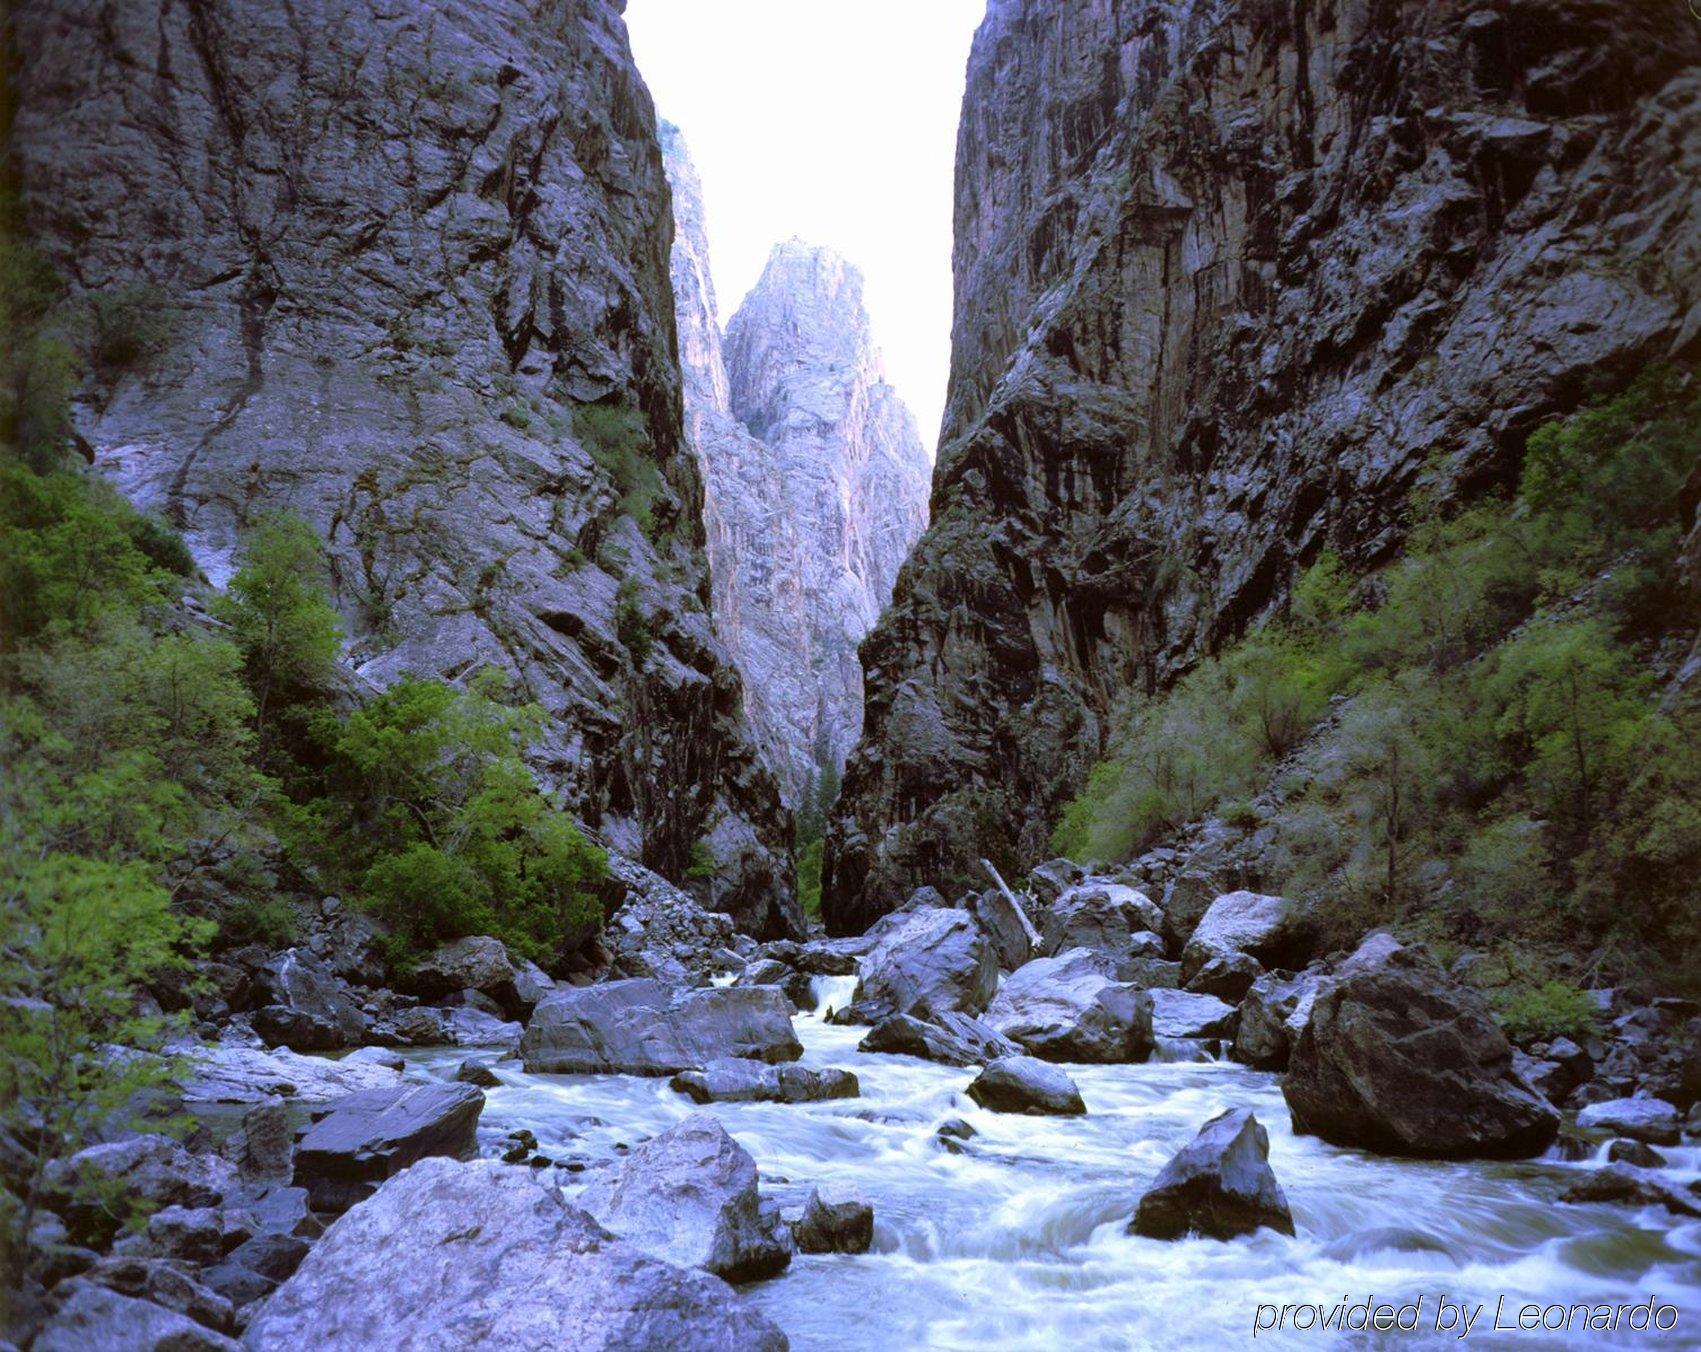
(277, 609)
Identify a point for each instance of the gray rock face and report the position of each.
(815, 482)
(402, 347)
(374, 1135)
(936, 961)
(951, 1039)
(1220, 1184)
(1071, 1008)
(689, 1196)
(736, 1080)
(480, 1255)
(1023, 1084)
(1226, 277)
(639, 1027)
(1399, 1058)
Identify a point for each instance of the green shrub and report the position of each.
(700, 864)
(517, 415)
(271, 921)
(617, 441)
(1552, 1009)
(632, 624)
(130, 326)
(809, 879)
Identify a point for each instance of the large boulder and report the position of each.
(368, 1137)
(835, 1219)
(1025, 1084)
(1399, 1058)
(1276, 931)
(1186, 898)
(1014, 939)
(476, 963)
(1643, 1119)
(480, 1255)
(1219, 1185)
(689, 1196)
(1228, 976)
(231, 1074)
(304, 1005)
(90, 1317)
(953, 1040)
(1184, 1014)
(1272, 1013)
(738, 1080)
(1070, 1008)
(639, 1027)
(1098, 914)
(933, 961)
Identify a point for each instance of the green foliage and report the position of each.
(700, 865)
(129, 326)
(809, 878)
(615, 437)
(632, 624)
(277, 608)
(1552, 1009)
(271, 921)
(517, 415)
(432, 809)
(1498, 766)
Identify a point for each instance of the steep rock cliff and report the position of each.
(397, 254)
(815, 482)
(1232, 277)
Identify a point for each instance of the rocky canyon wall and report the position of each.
(816, 482)
(1232, 278)
(411, 263)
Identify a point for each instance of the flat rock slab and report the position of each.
(640, 1027)
(368, 1137)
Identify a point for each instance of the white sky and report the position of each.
(833, 120)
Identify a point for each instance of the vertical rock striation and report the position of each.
(1232, 279)
(815, 482)
(398, 253)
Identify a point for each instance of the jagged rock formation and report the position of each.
(1231, 279)
(399, 252)
(815, 481)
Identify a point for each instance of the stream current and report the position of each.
(1020, 1243)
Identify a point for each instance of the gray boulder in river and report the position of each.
(735, 1079)
(1023, 1084)
(480, 1255)
(1399, 1058)
(1219, 1184)
(689, 1196)
(370, 1136)
(931, 961)
(951, 1040)
(1070, 1008)
(639, 1027)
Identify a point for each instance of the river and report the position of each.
(1019, 1242)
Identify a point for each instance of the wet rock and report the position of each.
(954, 1040)
(1069, 1008)
(689, 1196)
(1397, 1057)
(1636, 1153)
(835, 1219)
(1025, 1084)
(90, 1317)
(735, 1080)
(477, 1073)
(1274, 930)
(1098, 913)
(1643, 1119)
(639, 1027)
(1219, 1185)
(484, 1249)
(466, 1027)
(1014, 938)
(1183, 1014)
(230, 1074)
(306, 1006)
(368, 1137)
(1627, 1184)
(935, 961)
(1228, 976)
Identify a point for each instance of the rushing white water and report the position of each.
(1021, 1243)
